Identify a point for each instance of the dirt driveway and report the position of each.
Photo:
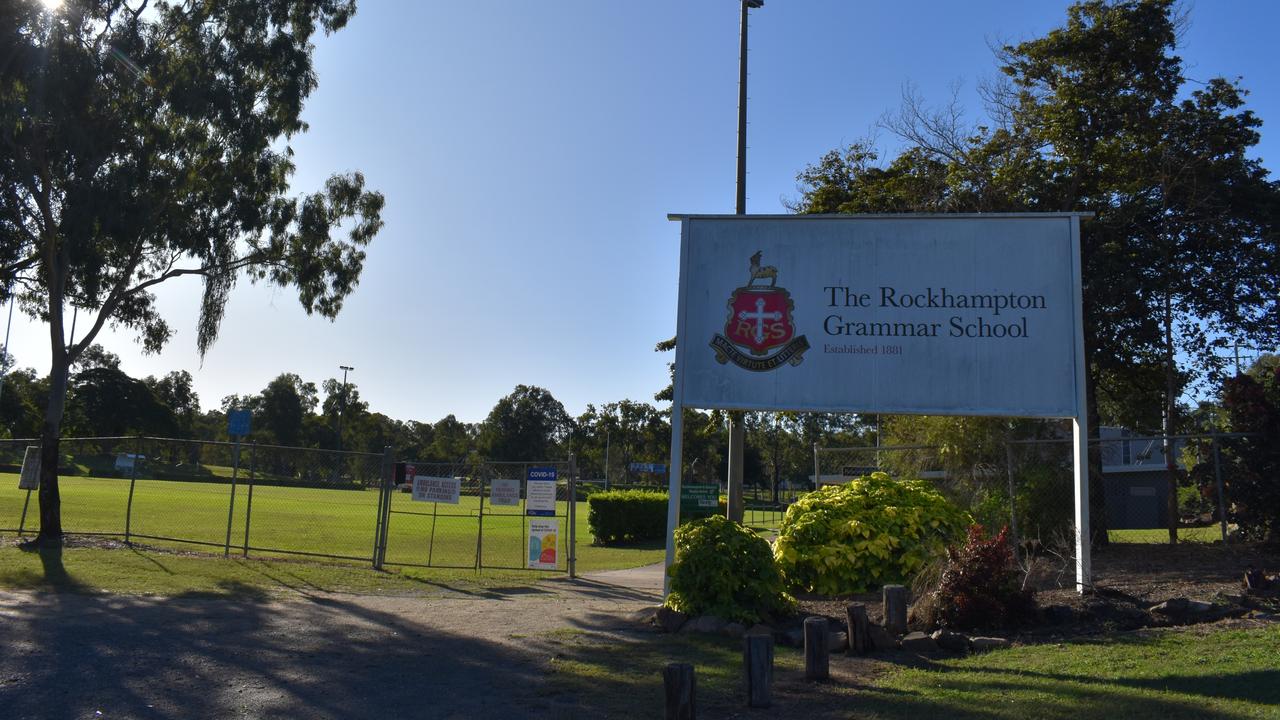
(463, 655)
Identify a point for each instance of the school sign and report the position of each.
(902, 314)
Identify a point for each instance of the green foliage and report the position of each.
(1252, 402)
(858, 536)
(617, 516)
(724, 569)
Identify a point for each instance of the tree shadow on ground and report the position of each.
(71, 655)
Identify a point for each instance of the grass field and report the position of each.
(1160, 536)
(310, 520)
(1189, 673)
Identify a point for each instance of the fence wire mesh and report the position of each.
(483, 530)
(1031, 489)
(246, 498)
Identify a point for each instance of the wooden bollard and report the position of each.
(895, 609)
(816, 661)
(757, 662)
(859, 630)
(678, 684)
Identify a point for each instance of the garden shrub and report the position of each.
(616, 516)
(858, 536)
(980, 587)
(724, 569)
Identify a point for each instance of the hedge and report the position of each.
(616, 516)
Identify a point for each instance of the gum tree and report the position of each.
(145, 142)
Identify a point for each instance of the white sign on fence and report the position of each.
(900, 314)
(436, 489)
(542, 543)
(504, 492)
(29, 479)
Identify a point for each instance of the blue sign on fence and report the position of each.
(540, 492)
(658, 468)
(238, 422)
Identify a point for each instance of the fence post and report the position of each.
(384, 508)
(816, 475)
(133, 479)
(1222, 499)
(480, 529)
(231, 504)
(895, 609)
(248, 510)
(573, 516)
(679, 689)
(1013, 504)
(757, 662)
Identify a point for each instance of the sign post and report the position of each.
(237, 429)
(955, 314)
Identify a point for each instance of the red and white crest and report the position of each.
(759, 319)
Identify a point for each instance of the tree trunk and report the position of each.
(50, 499)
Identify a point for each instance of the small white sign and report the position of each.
(30, 477)
(543, 536)
(540, 498)
(436, 489)
(504, 492)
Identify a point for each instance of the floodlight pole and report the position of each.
(342, 407)
(737, 432)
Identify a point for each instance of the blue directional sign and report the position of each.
(657, 468)
(238, 423)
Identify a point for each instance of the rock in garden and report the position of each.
(881, 639)
(645, 615)
(918, 642)
(837, 641)
(982, 644)
(793, 637)
(705, 624)
(953, 641)
(1059, 615)
(734, 630)
(670, 620)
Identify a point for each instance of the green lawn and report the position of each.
(322, 521)
(1190, 673)
(142, 571)
(1207, 534)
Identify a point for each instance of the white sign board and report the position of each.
(919, 315)
(436, 489)
(542, 543)
(900, 314)
(504, 492)
(29, 479)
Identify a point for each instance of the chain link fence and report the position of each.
(242, 498)
(489, 527)
(1031, 489)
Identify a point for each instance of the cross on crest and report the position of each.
(759, 323)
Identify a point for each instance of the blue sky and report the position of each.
(530, 153)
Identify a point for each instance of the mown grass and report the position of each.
(150, 571)
(322, 521)
(1207, 534)
(1189, 673)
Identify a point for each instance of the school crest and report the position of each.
(759, 333)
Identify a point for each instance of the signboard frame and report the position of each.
(685, 344)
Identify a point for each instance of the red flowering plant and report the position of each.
(980, 585)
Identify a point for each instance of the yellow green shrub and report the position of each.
(858, 536)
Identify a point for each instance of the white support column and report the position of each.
(673, 489)
(1080, 425)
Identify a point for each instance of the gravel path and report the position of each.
(462, 655)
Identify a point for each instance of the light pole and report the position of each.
(737, 433)
(342, 407)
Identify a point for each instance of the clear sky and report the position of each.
(530, 152)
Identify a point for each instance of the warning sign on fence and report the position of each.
(542, 544)
(540, 492)
(504, 492)
(436, 489)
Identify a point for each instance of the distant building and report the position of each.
(1135, 478)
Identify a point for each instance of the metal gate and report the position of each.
(486, 526)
